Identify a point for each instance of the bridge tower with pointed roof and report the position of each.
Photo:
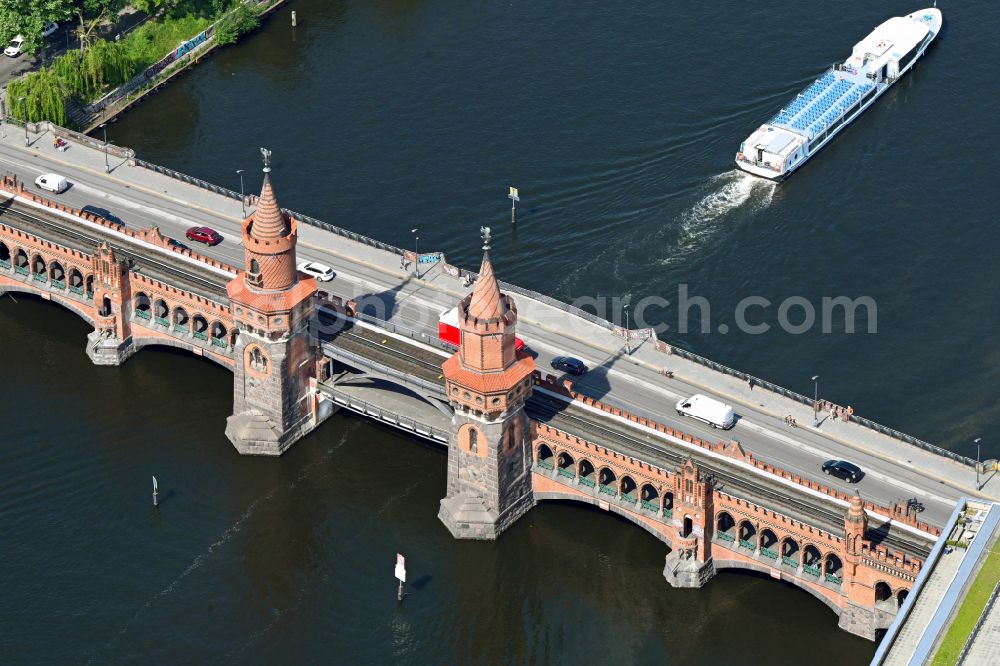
(689, 562)
(487, 381)
(273, 305)
(857, 614)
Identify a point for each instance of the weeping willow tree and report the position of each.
(81, 76)
(106, 64)
(87, 75)
(44, 97)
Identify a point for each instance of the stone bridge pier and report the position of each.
(708, 530)
(254, 321)
(689, 563)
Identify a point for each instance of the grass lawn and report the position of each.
(970, 610)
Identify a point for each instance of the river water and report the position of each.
(618, 121)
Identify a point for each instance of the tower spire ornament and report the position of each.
(267, 159)
(485, 232)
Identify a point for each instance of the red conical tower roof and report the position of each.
(486, 301)
(268, 221)
(856, 509)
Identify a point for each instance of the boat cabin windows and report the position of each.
(908, 58)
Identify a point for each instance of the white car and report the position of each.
(49, 29)
(14, 48)
(321, 272)
(52, 182)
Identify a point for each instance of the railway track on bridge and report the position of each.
(571, 419)
(557, 414)
(204, 283)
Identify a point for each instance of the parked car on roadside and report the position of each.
(15, 47)
(49, 29)
(205, 235)
(844, 470)
(52, 182)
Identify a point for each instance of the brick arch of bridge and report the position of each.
(831, 598)
(575, 451)
(174, 297)
(544, 491)
(146, 340)
(804, 536)
(83, 310)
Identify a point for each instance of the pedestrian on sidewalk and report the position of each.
(402, 262)
(750, 382)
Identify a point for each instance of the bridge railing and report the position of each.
(411, 333)
(78, 137)
(542, 298)
(385, 415)
(805, 400)
(311, 221)
(190, 180)
(403, 378)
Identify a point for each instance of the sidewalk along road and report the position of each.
(895, 471)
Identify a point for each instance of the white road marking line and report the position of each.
(781, 437)
(128, 203)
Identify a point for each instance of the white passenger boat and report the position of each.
(841, 94)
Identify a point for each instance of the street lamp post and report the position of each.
(107, 166)
(416, 252)
(243, 197)
(628, 339)
(24, 107)
(977, 440)
(816, 400)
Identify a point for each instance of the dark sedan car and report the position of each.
(573, 366)
(204, 235)
(102, 213)
(844, 470)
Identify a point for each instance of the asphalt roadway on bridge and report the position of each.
(894, 472)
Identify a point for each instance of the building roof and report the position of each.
(269, 222)
(489, 382)
(486, 302)
(271, 301)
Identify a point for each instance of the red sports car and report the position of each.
(204, 235)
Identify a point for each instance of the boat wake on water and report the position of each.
(728, 193)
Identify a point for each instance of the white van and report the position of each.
(52, 182)
(712, 412)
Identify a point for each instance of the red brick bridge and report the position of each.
(712, 504)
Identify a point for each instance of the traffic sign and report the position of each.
(400, 568)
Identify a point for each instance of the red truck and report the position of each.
(448, 330)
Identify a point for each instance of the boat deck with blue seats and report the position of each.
(822, 103)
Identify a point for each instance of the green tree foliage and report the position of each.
(38, 97)
(148, 6)
(92, 13)
(242, 19)
(85, 76)
(152, 41)
(28, 17)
